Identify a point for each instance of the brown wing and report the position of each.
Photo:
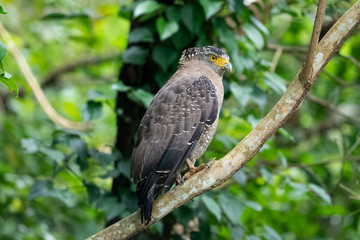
(168, 133)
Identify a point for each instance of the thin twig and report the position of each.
(307, 71)
(331, 107)
(35, 87)
(325, 162)
(287, 48)
(354, 194)
(353, 147)
(276, 58)
(340, 145)
(341, 81)
(53, 76)
(352, 59)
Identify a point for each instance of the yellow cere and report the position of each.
(218, 60)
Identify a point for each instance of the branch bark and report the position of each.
(307, 71)
(35, 87)
(224, 168)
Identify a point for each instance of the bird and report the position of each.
(179, 124)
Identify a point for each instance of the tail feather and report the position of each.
(147, 190)
(146, 208)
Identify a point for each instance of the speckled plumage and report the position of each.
(179, 124)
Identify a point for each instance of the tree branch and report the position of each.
(342, 81)
(352, 59)
(35, 87)
(307, 71)
(224, 168)
(331, 107)
(53, 76)
(276, 58)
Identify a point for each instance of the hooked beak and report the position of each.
(228, 67)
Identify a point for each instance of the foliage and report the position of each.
(5, 77)
(56, 184)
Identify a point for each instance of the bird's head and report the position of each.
(213, 57)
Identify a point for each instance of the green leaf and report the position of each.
(120, 87)
(122, 168)
(237, 232)
(231, 207)
(166, 29)
(94, 193)
(54, 154)
(240, 177)
(226, 35)
(271, 234)
(236, 61)
(29, 145)
(252, 237)
(140, 35)
(3, 50)
(275, 82)
(80, 148)
(283, 159)
(5, 78)
(45, 188)
(135, 55)
(259, 25)
(192, 18)
(173, 13)
(164, 56)
(210, 7)
(96, 95)
(2, 10)
(104, 159)
(212, 206)
(180, 39)
(320, 192)
(286, 134)
(268, 176)
(299, 189)
(241, 93)
(254, 35)
(254, 205)
(236, 6)
(146, 7)
(113, 208)
(141, 96)
(91, 110)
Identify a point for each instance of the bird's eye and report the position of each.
(213, 57)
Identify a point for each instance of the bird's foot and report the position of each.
(179, 180)
(193, 169)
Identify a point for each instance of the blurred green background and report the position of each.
(102, 61)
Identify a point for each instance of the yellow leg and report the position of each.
(193, 169)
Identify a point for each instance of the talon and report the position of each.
(183, 178)
(179, 180)
(211, 162)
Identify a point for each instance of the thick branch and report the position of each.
(224, 168)
(35, 87)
